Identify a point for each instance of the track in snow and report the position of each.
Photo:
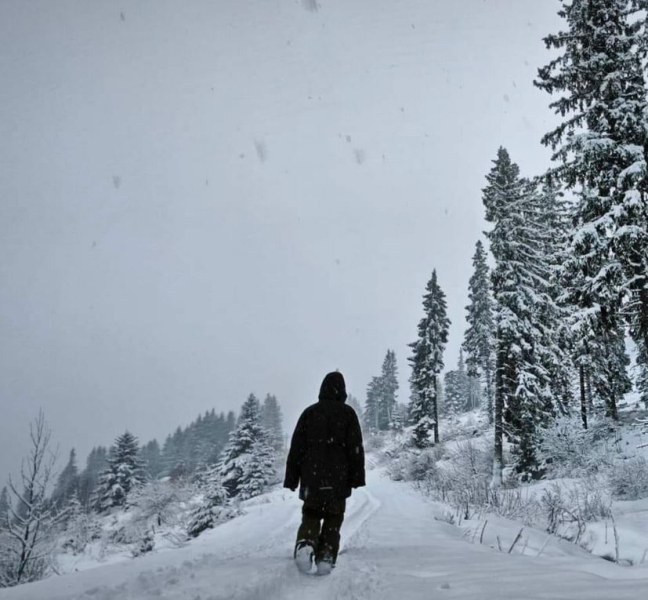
(393, 547)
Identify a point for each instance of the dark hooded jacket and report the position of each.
(326, 457)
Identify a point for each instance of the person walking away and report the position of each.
(326, 460)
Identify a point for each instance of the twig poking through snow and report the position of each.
(516, 540)
(481, 536)
(544, 545)
(616, 539)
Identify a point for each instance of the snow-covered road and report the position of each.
(393, 547)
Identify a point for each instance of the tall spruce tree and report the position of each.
(523, 401)
(95, 465)
(427, 364)
(371, 411)
(67, 484)
(152, 459)
(124, 473)
(272, 420)
(601, 150)
(479, 337)
(554, 217)
(246, 465)
(387, 391)
(352, 401)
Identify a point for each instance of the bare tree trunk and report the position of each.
(498, 461)
(489, 394)
(583, 396)
(588, 386)
(435, 411)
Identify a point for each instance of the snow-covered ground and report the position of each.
(393, 546)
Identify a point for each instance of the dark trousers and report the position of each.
(320, 527)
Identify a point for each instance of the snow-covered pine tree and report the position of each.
(67, 483)
(125, 471)
(352, 401)
(479, 336)
(521, 294)
(387, 391)
(427, 364)
(174, 455)
(554, 216)
(601, 149)
(95, 465)
(399, 416)
(272, 420)
(370, 416)
(451, 407)
(152, 459)
(212, 508)
(246, 465)
(457, 389)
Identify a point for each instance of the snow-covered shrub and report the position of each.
(515, 504)
(464, 426)
(159, 502)
(465, 476)
(81, 528)
(421, 465)
(568, 450)
(214, 507)
(567, 510)
(123, 534)
(374, 441)
(628, 479)
(146, 543)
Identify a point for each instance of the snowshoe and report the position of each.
(304, 556)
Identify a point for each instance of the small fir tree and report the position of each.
(352, 401)
(96, 464)
(124, 473)
(67, 483)
(371, 404)
(246, 465)
(271, 419)
(457, 389)
(213, 507)
(152, 459)
(427, 364)
(479, 337)
(387, 389)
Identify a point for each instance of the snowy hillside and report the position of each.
(393, 547)
(208, 200)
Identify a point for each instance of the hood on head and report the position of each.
(333, 387)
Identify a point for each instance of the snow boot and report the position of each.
(304, 556)
(324, 567)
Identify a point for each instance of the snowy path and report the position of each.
(392, 548)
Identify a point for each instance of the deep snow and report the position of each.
(393, 547)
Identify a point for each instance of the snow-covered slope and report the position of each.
(393, 547)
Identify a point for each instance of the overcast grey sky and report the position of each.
(203, 199)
